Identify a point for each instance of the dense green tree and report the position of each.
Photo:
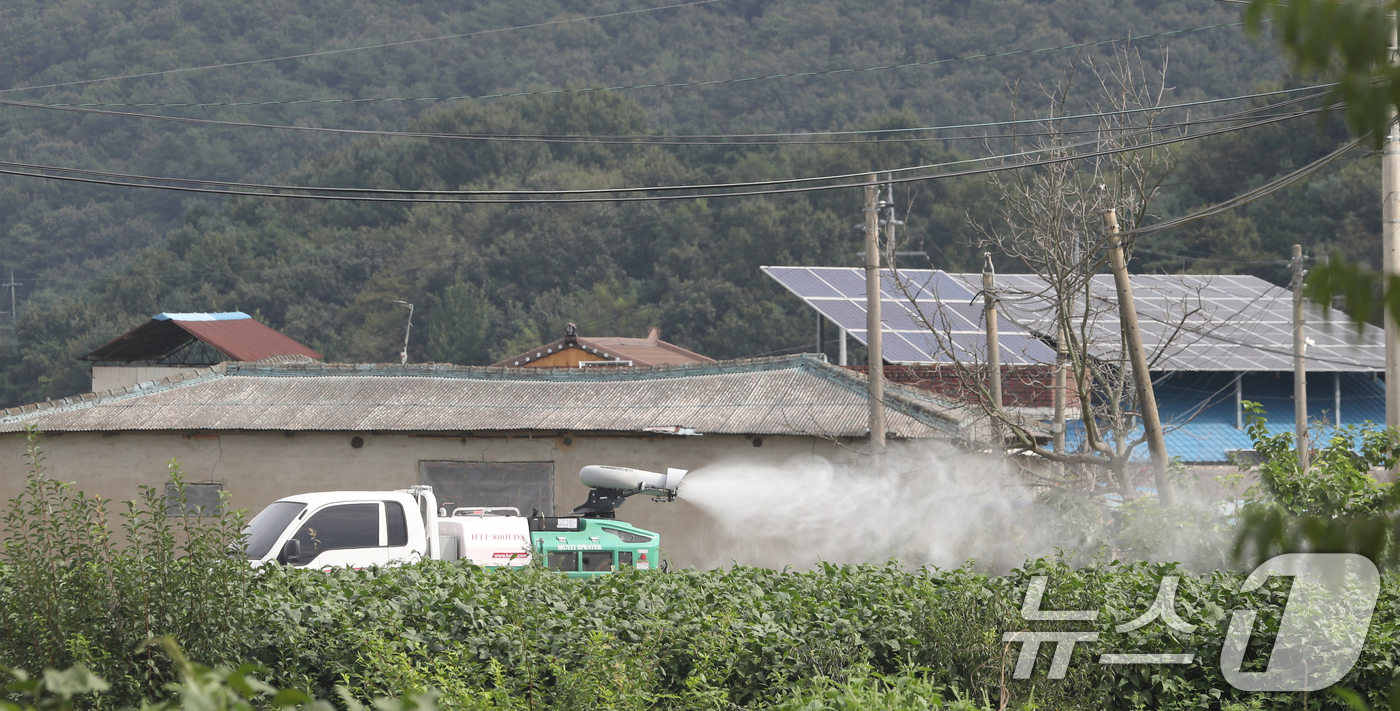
(95, 261)
(457, 333)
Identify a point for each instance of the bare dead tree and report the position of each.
(1049, 221)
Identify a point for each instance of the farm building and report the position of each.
(172, 343)
(479, 435)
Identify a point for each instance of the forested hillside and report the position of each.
(97, 260)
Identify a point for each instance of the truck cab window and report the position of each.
(396, 523)
(337, 527)
(265, 528)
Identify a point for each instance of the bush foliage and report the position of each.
(837, 637)
(76, 593)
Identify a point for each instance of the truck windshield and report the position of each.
(265, 528)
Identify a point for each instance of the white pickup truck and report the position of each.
(359, 529)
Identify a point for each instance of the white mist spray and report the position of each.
(918, 503)
(924, 503)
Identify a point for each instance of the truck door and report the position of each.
(343, 535)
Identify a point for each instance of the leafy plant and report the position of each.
(74, 593)
(1338, 481)
(1335, 506)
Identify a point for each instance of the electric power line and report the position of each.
(535, 240)
(1157, 128)
(636, 139)
(559, 196)
(1252, 195)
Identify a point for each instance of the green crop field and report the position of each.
(95, 591)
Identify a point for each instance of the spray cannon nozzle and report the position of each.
(597, 476)
(612, 485)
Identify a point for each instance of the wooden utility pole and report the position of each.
(1390, 247)
(989, 316)
(1300, 370)
(1147, 400)
(875, 372)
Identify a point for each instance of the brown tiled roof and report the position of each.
(640, 351)
(792, 395)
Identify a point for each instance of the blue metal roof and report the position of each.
(217, 316)
(1198, 409)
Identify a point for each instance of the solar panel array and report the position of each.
(927, 314)
(1193, 322)
(1202, 322)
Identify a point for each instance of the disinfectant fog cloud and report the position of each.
(919, 504)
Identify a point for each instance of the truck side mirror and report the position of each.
(291, 552)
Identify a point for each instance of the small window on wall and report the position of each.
(201, 499)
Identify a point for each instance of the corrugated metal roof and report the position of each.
(233, 334)
(794, 395)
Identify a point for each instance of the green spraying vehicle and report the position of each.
(591, 541)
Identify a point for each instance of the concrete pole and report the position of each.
(1390, 249)
(989, 314)
(1239, 401)
(1137, 355)
(1337, 398)
(1061, 397)
(841, 354)
(989, 319)
(1300, 369)
(875, 373)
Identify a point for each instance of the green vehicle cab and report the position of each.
(590, 541)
